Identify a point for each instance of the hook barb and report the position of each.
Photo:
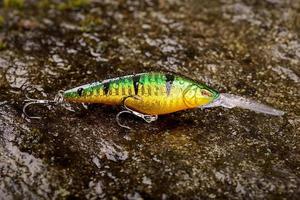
(118, 119)
(30, 101)
(147, 118)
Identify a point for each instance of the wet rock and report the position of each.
(242, 47)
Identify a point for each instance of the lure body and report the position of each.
(152, 93)
(148, 95)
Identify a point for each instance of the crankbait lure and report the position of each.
(148, 95)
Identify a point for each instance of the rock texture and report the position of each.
(249, 47)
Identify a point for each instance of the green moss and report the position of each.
(89, 22)
(79, 3)
(71, 4)
(1, 21)
(43, 4)
(13, 3)
(2, 45)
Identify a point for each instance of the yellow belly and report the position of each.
(156, 106)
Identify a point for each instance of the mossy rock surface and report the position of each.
(248, 48)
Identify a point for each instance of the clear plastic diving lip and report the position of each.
(230, 101)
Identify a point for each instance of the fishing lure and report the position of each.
(148, 95)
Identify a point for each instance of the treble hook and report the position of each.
(147, 118)
(29, 101)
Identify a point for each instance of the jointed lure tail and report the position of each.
(148, 95)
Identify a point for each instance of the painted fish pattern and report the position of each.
(153, 93)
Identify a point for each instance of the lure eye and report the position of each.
(206, 93)
(79, 91)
